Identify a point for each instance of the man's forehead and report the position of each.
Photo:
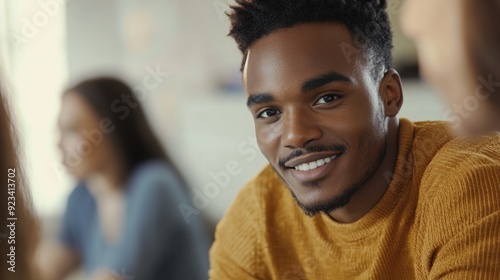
(294, 54)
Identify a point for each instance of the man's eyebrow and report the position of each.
(324, 80)
(259, 98)
(311, 84)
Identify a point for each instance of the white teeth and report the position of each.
(314, 164)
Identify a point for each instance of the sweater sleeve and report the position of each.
(235, 251)
(462, 231)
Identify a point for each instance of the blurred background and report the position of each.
(177, 55)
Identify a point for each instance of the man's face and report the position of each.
(319, 117)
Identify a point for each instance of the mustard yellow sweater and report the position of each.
(439, 219)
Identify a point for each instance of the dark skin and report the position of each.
(314, 106)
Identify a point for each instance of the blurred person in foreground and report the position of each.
(459, 52)
(352, 191)
(18, 238)
(123, 219)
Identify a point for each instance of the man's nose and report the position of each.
(299, 130)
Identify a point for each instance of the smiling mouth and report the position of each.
(312, 167)
(314, 164)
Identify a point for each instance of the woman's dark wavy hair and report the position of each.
(27, 225)
(132, 137)
(367, 21)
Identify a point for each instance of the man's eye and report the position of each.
(268, 113)
(327, 99)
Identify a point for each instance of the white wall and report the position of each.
(36, 71)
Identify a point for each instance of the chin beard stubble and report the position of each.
(344, 198)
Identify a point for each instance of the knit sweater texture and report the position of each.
(438, 219)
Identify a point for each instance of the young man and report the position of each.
(352, 192)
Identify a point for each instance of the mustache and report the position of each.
(336, 148)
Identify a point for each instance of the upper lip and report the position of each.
(308, 158)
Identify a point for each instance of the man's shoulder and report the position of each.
(463, 169)
(462, 156)
(438, 153)
(431, 136)
(451, 168)
(458, 208)
(438, 136)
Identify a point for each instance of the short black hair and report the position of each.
(367, 21)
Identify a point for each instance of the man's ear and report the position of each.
(391, 92)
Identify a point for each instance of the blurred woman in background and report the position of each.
(123, 218)
(459, 53)
(23, 237)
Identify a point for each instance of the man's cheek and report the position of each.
(267, 142)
